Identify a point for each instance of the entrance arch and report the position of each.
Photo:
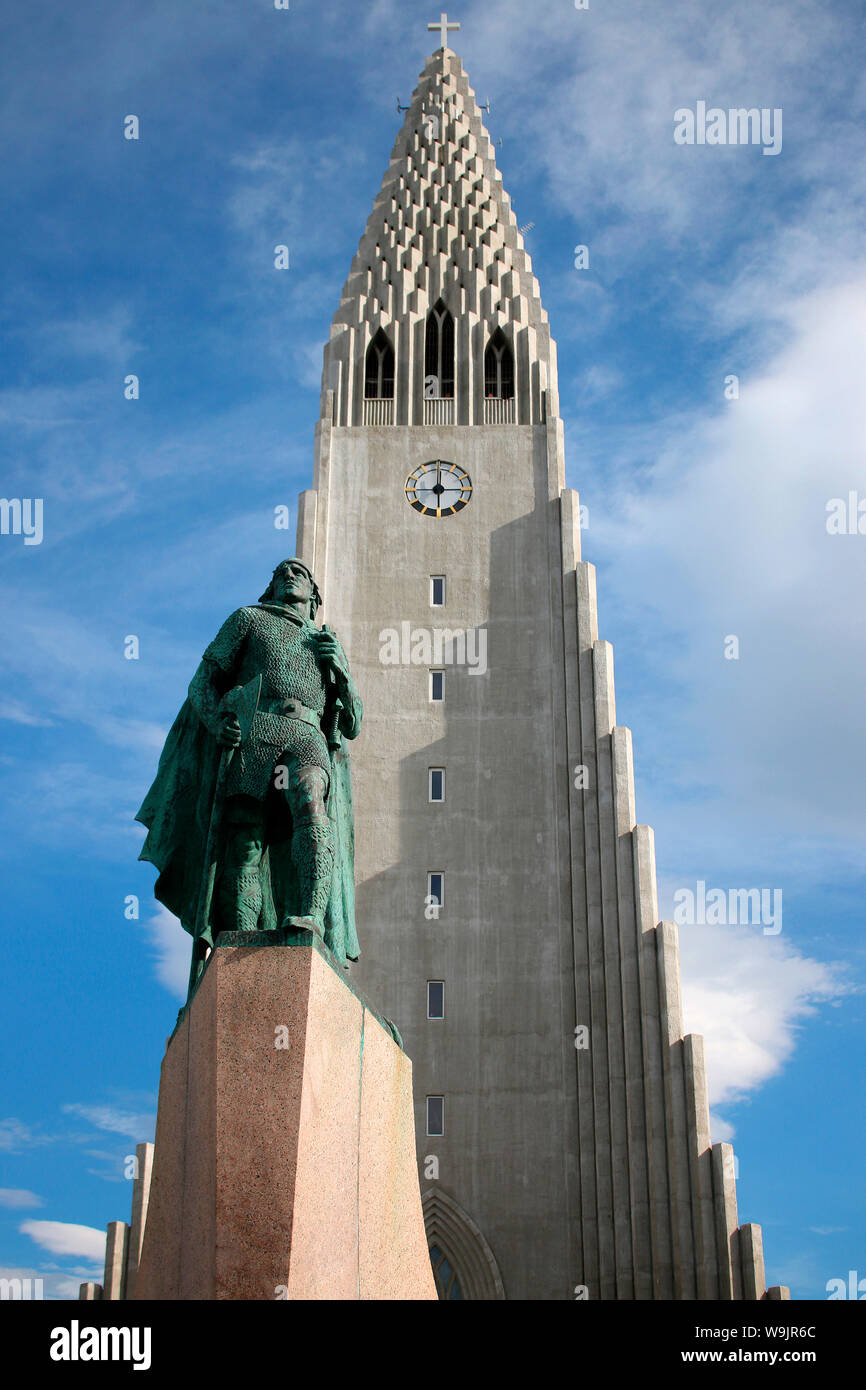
(464, 1265)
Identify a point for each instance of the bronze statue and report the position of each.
(250, 816)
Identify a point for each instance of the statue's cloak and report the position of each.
(177, 814)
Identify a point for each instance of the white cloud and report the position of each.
(15, 1136)
(727, 532)
(113, 1165)
(721, 1129)
(106, 336)
(600, 120)
(64, 1238)
(18, 1197)
(47, 407)
(69, 1287)
(113, 1119)
(140, 734)
(747, 994)
(598, 381)
(54, 1283)
(171, 946)
(16, 713)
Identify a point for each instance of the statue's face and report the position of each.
(292, 585)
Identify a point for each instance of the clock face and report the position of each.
(438, 488)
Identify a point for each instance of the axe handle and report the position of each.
(210, 865)
(209, 869)
(332, 732)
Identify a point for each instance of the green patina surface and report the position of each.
(249, 819)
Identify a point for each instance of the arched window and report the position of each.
(379, 369)
(499, 368)
(464, 1266)
(439, 353)
(447, 1283)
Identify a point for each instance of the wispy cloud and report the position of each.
(17, 713)
(64, 1238)
(111, 1118)
(108, 336)
(19, 1197)
(15, 1136)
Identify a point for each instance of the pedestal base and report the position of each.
(285, 1146)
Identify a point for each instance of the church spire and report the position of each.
(441, 229)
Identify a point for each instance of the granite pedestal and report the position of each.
(285, 1149)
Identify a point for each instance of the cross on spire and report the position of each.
(443, 26)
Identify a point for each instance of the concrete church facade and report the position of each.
(506, 896)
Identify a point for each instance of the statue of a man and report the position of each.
(250, 816)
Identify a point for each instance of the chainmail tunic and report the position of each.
(257, 641)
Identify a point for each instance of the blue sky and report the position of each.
(707, 516)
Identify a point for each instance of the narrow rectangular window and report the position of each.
(435, 998)
(435, 1116)
(437, 591)
(436, 889)
(437, 686)
(437, 784)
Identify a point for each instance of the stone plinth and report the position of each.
(285, 1147)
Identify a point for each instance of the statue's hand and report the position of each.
(331, 653)
(229, 730)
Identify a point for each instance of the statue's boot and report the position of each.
(313, 858)
(240, 899)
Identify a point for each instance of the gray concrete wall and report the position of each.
(504, 1055)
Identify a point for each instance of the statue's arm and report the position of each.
(352, 711)
(215, 675)
(205, 693)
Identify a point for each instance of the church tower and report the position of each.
(506, 897)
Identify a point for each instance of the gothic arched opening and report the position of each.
(379, 369)
(464, 1266)
(447, 1283)
(439, 353)
(499, 368)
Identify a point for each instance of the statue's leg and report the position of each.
(312, 843)
(239, 894)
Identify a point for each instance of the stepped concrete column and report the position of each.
(116, 1246)
(140, 1198)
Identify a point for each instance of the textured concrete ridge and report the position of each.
(441, 227)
